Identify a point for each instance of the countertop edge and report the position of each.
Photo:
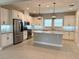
(48, 32)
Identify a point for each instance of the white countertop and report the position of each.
(51, 32)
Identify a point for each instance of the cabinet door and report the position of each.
(37, 21)
(9, 39)
(69, 20)
(66, 20)
(20, 15)
(72, 35)
(15, 14)
(4, 16)
(6, 39)
(72, 20)
(69, 35)
(65, 36)
(24, 35)
(77, 37)
(3, 40)
(77, 20)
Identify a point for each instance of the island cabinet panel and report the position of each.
(51, 38)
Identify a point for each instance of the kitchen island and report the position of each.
(51, 38)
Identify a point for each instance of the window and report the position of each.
(58, 22)
(48, 22)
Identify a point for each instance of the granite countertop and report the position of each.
(53, 32)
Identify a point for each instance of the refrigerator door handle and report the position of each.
(20, 26)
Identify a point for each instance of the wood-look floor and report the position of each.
(27, 50)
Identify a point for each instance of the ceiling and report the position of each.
(5, 2)
(46, 5)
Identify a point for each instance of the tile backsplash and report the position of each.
(6, 28)
(69, 28)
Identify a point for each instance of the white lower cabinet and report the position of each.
(65, 36)
(9, 39)
(24, 35)
(69, 35)
(72, 35)
(3, 40)
(6, 39)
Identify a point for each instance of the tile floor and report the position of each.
(27, 50)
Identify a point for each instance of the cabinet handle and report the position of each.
(3, 22)
(17, 15)
(7, 38)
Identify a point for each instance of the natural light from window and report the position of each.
(58, 22)
(48, 23)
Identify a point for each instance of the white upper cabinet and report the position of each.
(77, 28)
(17, 15)
(69, 20)
(77, 21)
(37, 21)
(4, 17)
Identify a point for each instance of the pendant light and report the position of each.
(54, 15)
(39, 15)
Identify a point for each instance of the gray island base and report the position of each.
(51, 38)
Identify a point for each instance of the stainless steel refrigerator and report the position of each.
(17, 31)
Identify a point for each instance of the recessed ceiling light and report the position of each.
(47, 6)
(27, 8)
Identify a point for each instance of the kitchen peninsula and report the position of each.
(51, 38)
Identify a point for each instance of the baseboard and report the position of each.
(7, 46)
(57, 45)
